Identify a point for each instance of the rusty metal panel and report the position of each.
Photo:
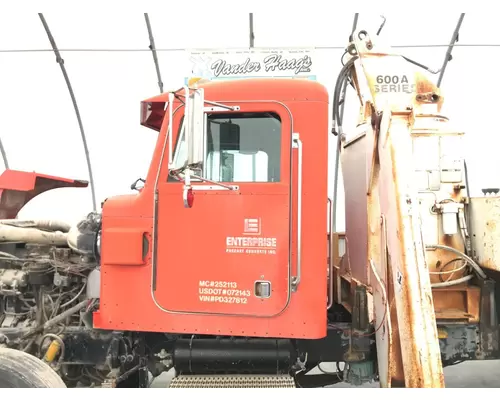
(485, 213)
(457, 303)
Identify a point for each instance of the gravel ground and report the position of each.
(469, 374)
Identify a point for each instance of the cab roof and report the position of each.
(277, 89)
(280, 89)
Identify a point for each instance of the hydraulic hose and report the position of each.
(471, 262)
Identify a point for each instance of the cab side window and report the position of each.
(243, 147)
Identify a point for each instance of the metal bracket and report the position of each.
(215, 187)
(217, 108)
(297, 144)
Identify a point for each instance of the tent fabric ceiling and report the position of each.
(38, 125)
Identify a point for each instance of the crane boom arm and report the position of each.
(392, 94)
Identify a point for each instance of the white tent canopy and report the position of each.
(111, 70)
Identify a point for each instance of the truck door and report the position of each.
(230, 253)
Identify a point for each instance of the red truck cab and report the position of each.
(247, 256)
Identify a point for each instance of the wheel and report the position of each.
(22, 370)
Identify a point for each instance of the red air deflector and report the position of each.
(17, 188)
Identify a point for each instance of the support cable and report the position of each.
(153, 51)
(60, 61)
(4, 155)
(252, 35)
(180, 49)
(447, 57)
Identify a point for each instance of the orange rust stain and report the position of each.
(424, 85)
(491, 225)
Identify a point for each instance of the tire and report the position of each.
(22, 370)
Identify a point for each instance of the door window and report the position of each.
(244, 147)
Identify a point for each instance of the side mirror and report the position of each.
(229, 136)
(194, 120)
